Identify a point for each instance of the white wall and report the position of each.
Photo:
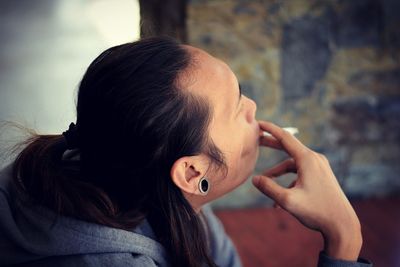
(46, 45)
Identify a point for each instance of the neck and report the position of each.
(194, 201)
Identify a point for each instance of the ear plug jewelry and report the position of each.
(291, 130)
(204, 186)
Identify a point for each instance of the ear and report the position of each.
(186, 173)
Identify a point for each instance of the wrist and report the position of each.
(344, 244)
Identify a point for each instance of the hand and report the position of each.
(315, 197)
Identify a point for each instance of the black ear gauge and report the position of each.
(204, 186)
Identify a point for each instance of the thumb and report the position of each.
(270, 188)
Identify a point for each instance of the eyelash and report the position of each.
(241, 102)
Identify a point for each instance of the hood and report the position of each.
(30, 232)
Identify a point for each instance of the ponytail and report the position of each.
(42, 174)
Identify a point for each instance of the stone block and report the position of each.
(306, 55)
(359, 23)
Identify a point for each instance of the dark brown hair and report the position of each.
(133, 123)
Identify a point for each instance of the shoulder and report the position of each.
(95, 260)
(222, 248)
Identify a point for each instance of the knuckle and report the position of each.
(322, 157)
(306, 153)
(286, 134)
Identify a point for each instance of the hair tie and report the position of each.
(71, 136)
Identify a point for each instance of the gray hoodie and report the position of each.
(30, 236)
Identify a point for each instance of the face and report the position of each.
(233, 128)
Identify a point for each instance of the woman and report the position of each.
(162, 129)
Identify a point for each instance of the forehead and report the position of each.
(212, 78)
(202, 58)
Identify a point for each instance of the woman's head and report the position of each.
(155, 110)
(134, 120)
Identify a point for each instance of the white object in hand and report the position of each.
(291, 130)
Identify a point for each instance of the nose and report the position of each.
(252, 108)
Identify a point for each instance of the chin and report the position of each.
(249, 169)
(253, 162)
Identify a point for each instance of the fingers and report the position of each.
(292, 184)
(270, 141)
(270, 188)
(286, 166)
(289, 143)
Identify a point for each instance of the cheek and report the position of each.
(250, 150)
(250, 143)
(240, 150)
(242, 163)
(248, 159)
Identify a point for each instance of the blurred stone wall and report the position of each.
(330, 68)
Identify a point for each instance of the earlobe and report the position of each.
(187, 172)
(204, 185)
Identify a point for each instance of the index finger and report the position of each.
(289, 142)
